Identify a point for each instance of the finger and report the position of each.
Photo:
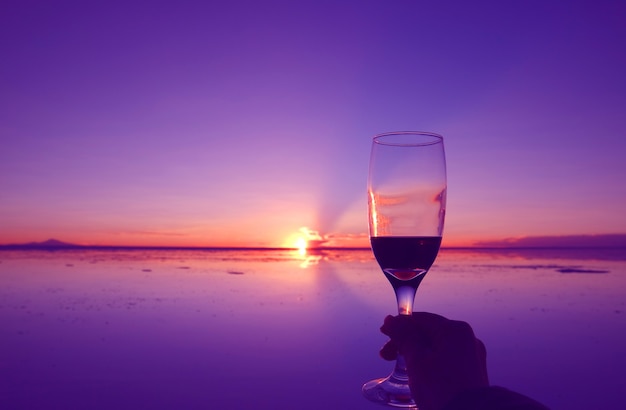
(398, 326)
(389, 351)
(427, 320)
(388, 325)
(423, 323)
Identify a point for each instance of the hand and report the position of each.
(443, 356)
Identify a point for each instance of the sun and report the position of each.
(301, 244)
(304, 240)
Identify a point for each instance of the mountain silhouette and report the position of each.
(565, 241)
(49, 244)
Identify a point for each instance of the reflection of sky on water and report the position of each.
(230, 329)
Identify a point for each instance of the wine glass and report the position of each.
(407, 204)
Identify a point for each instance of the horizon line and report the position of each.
(598, 241)
(275, 248)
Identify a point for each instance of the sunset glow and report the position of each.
(301, 245)
(125, 128)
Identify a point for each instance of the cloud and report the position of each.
(347, 240)
(315, 239)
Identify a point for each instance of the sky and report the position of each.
(195, 123)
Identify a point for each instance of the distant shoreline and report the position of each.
(246, 248)
(606, 241)
(196, 248)
(526, 253)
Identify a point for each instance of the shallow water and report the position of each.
(162, 329)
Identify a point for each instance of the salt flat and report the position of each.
(164, 329)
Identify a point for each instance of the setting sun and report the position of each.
(301, 244)
(305, 239)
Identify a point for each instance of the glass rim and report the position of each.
(407, 138)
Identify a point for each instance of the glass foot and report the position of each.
(389, 391)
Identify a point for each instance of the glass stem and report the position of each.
(399, 374)
(405, 295)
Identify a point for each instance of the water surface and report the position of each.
(162, 329)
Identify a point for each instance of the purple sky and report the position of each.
(206, 123)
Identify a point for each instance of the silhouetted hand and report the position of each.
(443, 356)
